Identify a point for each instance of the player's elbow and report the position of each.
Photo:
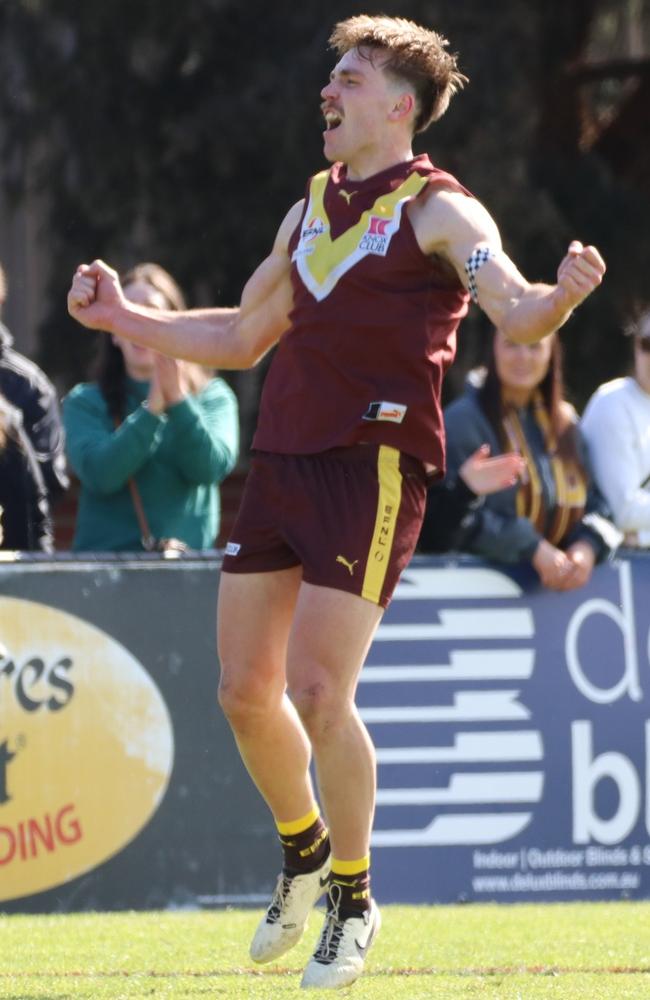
(256, 335)
(256, 350)
(248, 358)
(257, 356)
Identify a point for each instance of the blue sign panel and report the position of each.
(512, 727)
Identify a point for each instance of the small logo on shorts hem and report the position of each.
(393, 412)
(232, 548)
(348, 565)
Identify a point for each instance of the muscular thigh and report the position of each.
(330, 637)
(254, 617)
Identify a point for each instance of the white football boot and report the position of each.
(341, 951)
(284, 922)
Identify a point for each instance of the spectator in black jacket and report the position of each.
(553, 516)
(27, 388)
(453, 500)
(24, 510)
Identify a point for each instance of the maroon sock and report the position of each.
(350, 892)
(305, 852)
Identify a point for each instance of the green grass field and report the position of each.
(593, 951)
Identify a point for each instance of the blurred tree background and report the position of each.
(182, 132)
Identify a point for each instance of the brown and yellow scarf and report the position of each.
(570, 483)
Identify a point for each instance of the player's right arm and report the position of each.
(220, 337)
(455, 227)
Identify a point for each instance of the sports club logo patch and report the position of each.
(377, 236)
(394, 413)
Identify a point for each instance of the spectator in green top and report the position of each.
(169, 425)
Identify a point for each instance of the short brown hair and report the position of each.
(414, 54)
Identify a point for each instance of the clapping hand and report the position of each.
(168, 384)
(483, 474)
(560, 570)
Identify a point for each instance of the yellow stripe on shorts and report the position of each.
(388, 504)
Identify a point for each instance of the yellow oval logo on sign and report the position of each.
(86, 747)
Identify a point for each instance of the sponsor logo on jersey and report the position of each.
(376, 239)
(394, 413)
(315, 227)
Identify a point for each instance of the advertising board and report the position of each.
(512, 728)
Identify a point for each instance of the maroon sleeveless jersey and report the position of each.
(373, 325)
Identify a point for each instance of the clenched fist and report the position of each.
(580, 272)
(95, 295)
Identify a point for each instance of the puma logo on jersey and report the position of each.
(348, 565)
(348, 195)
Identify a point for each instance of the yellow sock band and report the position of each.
(298, 825)
(350, 867)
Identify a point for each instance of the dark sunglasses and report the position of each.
(643, 343)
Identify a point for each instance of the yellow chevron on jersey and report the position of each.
(320, 260)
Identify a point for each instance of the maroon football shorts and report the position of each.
(350, 517)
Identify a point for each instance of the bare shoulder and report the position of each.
(288, 226)
(451, 223)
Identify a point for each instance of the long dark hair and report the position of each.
(109, 370)
(552, 391)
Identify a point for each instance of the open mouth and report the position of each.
(332, 119)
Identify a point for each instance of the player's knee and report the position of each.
(243, 703)
(319, 706)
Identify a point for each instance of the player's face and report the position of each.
(139, 361)
(521, 367)
(356, 104)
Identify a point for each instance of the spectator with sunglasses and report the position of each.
(616, 425)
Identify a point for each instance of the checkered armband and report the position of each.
(473, 264)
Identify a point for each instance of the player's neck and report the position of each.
(369, 162)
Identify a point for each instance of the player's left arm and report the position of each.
(460, 229)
